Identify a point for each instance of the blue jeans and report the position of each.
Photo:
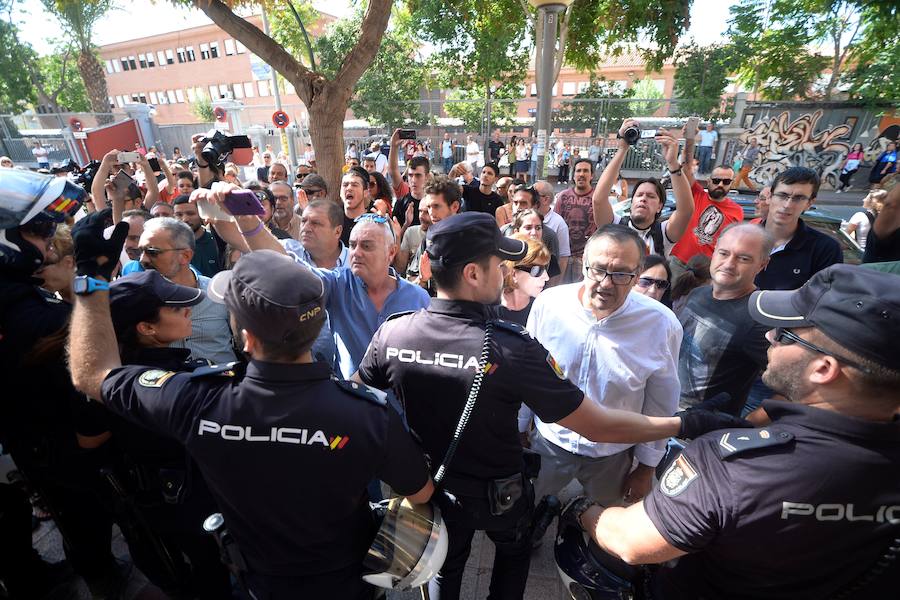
(703, 155)
(448, 164)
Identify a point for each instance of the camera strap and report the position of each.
(470, 404)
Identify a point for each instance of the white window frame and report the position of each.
(229, 47)
(214, 50)
(151, 61)
(179, 95)
(238, 91)
(142, 61)
(204, 51)
(153, 98)
(568, 88)
(170, 57)
(249, 90)
(170, 96)
(117, 67)
(240, 47)
(213, 92)
(161, 57)
(190, 53)
(109, 67)
(124, 61)
(263, 87)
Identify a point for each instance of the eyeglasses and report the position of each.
(152, 252)
(533, 270)
(645, 282)
(798, 199)
(717, 181)
(786, 337)
(599, 275)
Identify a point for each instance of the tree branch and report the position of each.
(260, 44)
(309, 50)
(371, 30)
(527, 12)
(561, 49)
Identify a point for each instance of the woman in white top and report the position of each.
(861, 222)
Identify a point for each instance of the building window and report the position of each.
(153, 99)
(204, 51)
(240, 47)
(225, 90)
(263, 87)
(150, 61)
(112, 103)
(161, 96)
(238, 91)
(181, 55)
(533, 89)
(142, 60)
(191, 95)
(109, 67)
(170, 95)
(190, 54)
(124, 61)
(134, 98)
(229, 47)
(555, 88)
(213, 92)
(583, 86)
(170, 58)
(116, 66)
(569, 88)
(214, 49)
(660, 85)
(248, 90)
(132, 63)
(142, 97)
(120, 101)
(161, 57)
(179, 95)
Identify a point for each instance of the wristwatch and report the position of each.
(84, 285)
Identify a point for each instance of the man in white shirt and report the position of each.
(473, 152)
(621, 349)
(707, 144)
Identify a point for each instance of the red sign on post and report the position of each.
(220, 114)
(280, 118)
(75, 124)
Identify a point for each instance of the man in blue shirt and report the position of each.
(361, 296)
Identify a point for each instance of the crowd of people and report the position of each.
(173, 349)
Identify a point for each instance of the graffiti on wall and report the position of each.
(880, 143)
(786, 143)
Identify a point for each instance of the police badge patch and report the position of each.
(555, 366)
(155, 378)
(677, 477)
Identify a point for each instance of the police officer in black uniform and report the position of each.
(807, 506)
(430, 359)
(288, 450)
(155, 476)
(42, 417)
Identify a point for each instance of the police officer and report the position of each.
(42, 416)
(287, 451)
(430, 359)
(159, 480)
(808, 506)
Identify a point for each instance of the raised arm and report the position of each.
(206, 174)
(687, 159)
(888, 219)
(248, 232)
(684, 199)
(603, 212)
(92, 348)
(170, 176)
(100, 177)
(152, 196)
(394, 161)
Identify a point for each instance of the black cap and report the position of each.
(463, 238)
(269, 294)
(856, 307)
(137, 297)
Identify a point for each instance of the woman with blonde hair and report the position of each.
(861, 222)
(523, 280)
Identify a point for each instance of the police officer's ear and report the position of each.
(146, 329)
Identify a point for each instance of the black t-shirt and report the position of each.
(429, 359)
(345, 233)
(798, 519)
(287, 453)
(520, 317)
(399, 210)
(882, 250)
(808, 252)
(477, 201)
(723, 349)
(494, 149)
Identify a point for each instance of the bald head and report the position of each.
(755, 235)
(545, 191)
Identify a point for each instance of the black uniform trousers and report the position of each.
(346, 584)
(510, 534)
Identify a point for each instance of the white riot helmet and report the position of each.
(410, 546)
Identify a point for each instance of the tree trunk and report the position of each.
(326, 128)
(95, 85)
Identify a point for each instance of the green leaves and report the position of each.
(16, 89)
(701, 77)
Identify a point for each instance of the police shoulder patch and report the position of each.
(154, 378)
(361, 390)
(680, 474)
(735, 441)
(555, 366)
(226, 370)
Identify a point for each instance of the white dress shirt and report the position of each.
(628, 360)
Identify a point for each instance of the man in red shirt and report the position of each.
(713, 212)
(574, 205)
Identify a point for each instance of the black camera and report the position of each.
(85, 175)
(217, 147)
(67, 167)
(631, 134)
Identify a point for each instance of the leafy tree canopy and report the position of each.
(701, 76)
(587, 109)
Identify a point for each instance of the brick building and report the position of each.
(171, 70)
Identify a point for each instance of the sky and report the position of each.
(708, 21)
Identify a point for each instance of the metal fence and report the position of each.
(19, 134)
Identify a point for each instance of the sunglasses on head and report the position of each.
(717, 181)
(645, 282)
(533, 270)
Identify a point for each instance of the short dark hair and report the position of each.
(793, 175)
(419, 161)
(652, 260)
(369, 157)
(315, 180)
(535, 196)
(620, 234)
(445, 187)
(492, 166)
(294, 345)
(332, 209)
(583, 160)
(181, 199)
(138, 212)
(448, 278)
(660, 191)
(361, 173)
(184, 175)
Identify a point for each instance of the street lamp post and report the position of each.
(549, 11)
